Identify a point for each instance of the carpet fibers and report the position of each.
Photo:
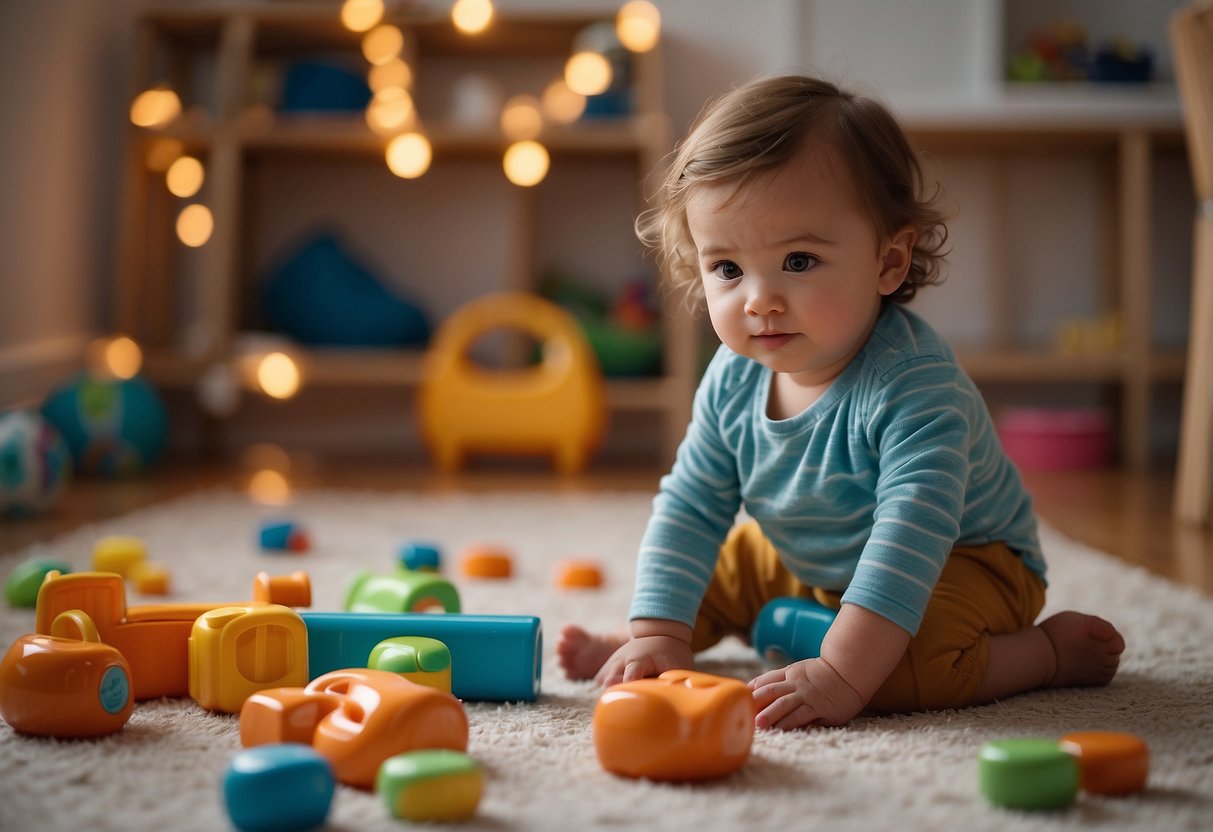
(914, 772)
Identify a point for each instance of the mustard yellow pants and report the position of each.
(983, 591)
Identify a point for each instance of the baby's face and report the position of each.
(791, 269)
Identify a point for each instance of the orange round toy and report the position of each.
(1109, 762)
(486, 562)
(578, 574)
(67, 684)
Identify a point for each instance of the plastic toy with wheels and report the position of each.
(35, 463)
(113, 427)
(556, 407)
(67, 683)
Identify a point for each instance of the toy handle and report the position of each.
(551, 325)
(84, 629)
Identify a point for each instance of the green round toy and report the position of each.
(1028, 774)
(22, 585)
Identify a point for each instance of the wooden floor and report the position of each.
(1124, 514)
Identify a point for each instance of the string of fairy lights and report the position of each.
(408, 152)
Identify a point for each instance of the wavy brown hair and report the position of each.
(762, 125)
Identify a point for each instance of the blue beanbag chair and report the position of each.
(321, 295)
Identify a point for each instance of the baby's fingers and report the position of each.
(784, 713)
(768, 678)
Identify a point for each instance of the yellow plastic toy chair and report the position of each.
(555, 407)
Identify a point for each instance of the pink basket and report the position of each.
(1056, 440)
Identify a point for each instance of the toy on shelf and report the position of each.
(624, 332)
(494, 658)
(236, 651)
(556, 407)
(22, 584)
(154, 638)
(113, 427)
(278, 788)
(681, 726)
(366, 716)
(790, 629)
(67, 683)
(421, 660)
(486, 561)
(578, 574)
(1027, 774)
(430, 785)
(35, 464)
(118, 553)
(420, 557)
(401, 591)
(1109, 762)
(282, 536)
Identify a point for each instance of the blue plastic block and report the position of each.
(791, 629)
(278, 788)
(494, 658)
(420, 556)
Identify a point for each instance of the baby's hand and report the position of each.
(645, 656)
(804, 693)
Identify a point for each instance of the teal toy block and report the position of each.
(420, 557)
(426, 661)
(1028, 774)
(401, 591)
(22, 585)
(283, 536)
(494, 658)
(278, 788)
(790, 629)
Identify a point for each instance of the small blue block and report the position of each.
(420, 556)
(276, 535)
(281, 787)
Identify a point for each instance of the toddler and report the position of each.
(864, 457)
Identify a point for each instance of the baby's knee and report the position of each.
(933, 677)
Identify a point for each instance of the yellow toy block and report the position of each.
(237, 651)
(118, 553)
(556, 407)
(150, 578)
(430, 785)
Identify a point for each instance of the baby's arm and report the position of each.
(656, 646)
(858, 654)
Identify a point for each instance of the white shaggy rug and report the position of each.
(906, 773)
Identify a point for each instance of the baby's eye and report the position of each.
(799, 261)
(727, 270)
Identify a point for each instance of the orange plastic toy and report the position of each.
(67, 683)
(1109, 762)
(483, 561)
(236, 651)
(681, 726)
(556, 407)
(578, 574)
(153, 638)
(377, 715)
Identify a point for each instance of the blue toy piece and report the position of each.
(791, 629)
(113, 427)
(420, 557)
(281, 536)
(278, 788)
(35, 463)
(494, 658)
(401, 591)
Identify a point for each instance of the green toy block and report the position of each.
(403, 590)
(1028, 774)
(431, 784)
(426, 661)
(22, 585)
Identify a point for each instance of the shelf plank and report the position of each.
(1045, 366)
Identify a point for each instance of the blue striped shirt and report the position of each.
(865, 492)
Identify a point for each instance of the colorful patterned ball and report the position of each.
(35, 464)
(113, 427)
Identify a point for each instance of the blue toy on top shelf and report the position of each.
(791, 629)
(320, 86)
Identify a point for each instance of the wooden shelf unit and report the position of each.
(231, 133)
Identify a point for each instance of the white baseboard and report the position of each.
(29, 371)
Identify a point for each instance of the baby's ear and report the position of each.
(895, 259)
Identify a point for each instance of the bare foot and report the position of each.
(1088, 649)
(582, 653)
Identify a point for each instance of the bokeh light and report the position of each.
(560, 104)
(472, 16)
(361, 15)
(588, 73)
(382, 44)
(194, 225)
(393, 73)
(526, 163)
(521, 118)
(278, 375)
(162, 153)
(185, 176)
(155, 107)
(117, 356)
(638, 25)
(390, 111)
(269, 488)
(409, 155)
